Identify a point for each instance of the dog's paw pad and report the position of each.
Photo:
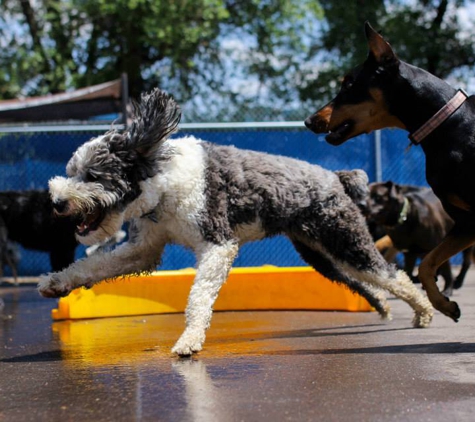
(51, 287)
(185, 347)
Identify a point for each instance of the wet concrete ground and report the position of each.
(256, 366)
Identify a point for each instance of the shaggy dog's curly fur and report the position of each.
(212, 199)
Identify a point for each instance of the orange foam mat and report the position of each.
(252, 288)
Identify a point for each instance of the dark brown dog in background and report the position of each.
(415, 222)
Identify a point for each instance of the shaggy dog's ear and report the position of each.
(156, 117)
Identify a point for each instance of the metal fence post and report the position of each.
(377, 156)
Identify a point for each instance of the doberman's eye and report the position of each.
(348, 82)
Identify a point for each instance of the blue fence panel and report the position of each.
(300, 144)
(400, 163)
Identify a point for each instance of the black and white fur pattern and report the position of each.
(211, 199)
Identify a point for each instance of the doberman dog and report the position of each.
(384, 92)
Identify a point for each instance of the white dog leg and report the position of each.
(214, 263)
(128, 258)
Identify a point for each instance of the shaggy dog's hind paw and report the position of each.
(51, 286)
(422, 319)
(385, 314)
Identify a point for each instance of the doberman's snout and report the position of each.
(308, 122)
(316, 123)
(319, 122)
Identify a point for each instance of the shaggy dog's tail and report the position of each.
(355, 183)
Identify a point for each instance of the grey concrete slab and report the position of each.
(256, 366)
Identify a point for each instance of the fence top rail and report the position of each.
(58, 128)
(186, 126)
(243, 125)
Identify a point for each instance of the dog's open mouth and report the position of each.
(90, 222)
(340, 133)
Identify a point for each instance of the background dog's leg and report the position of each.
(390, 254)
(13, 268)
(445, 271)
(214, 263)
(384, 243)
(386, 247)
(451, 245)
(467, 261)
(375, 297)
(128, 258)
(409, 264)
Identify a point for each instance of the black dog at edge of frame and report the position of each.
(386, 92)
(30, 220)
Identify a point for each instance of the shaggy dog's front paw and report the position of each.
(187, 345)
(51, 286)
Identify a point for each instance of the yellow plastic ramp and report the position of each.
(253, 288)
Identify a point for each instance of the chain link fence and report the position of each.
(30, 157)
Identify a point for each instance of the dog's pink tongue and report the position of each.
(82, 227)
(87, 222)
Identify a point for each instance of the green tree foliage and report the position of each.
(222, 59)
(426, 33)
(72, 43)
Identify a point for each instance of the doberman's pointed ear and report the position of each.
(390, 189)
(378, 47)
(393, 189)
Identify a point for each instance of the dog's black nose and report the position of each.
(60, 206)
(308, 122)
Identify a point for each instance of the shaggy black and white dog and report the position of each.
(212, 199)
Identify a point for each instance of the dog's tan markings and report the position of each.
(458, 202)
(326, 112)
(323, 117)
(367, 116)
(380, 113)
(384, 243)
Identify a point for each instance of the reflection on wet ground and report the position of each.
(255, 366)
